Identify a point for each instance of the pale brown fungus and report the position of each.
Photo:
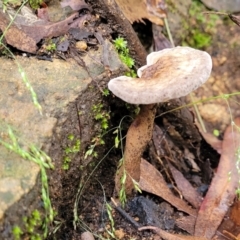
(170, 73)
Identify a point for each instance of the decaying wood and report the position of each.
(108, 9)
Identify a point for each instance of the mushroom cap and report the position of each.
(170, 73)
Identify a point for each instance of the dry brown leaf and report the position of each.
(235, 213)
(42, 13)
(222, 190)
(232, 236)
(213, 141)
(152, 181)
(39, 32)
(16, 37)
(136, 11)
(25, 37)
(187, 190)
(75, 5)
(186, 223)
(160, 41)
(235, 19)
(168, 236)
(156, 8)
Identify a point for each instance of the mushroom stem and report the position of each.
(138, 136)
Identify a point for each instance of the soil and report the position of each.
(180, 134)
(96, 191)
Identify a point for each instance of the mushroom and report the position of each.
(170, 73)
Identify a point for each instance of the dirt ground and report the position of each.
(180, 134)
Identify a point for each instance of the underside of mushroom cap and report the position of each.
(170, 73)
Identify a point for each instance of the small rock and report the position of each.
(81, 45)
(63, 46)
(119, 234)
(223, 5)
(87, 236)
(215, 114)
(146, 211)
(222, 60)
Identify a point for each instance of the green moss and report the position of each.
(101, 116)
(35, 4)
(198, 39)
(17, 232)
(50, 46)
(73, 147)
(12, 3)
(171, 6)
(32, 224)
(198, 29)
(105, 92)
(123, 51)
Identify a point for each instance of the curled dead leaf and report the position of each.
(75, 5)
(153, 182)
(222, 190)
(213, 141)
(187, 190)
(169, 236)
(136, 11)
(16, 37)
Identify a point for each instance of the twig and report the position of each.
(168, 31)
(147, 228)
(218, 13)
(125, 215)
(191, 96)
(79, 123)
(199, 117)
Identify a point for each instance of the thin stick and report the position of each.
(125, 215)
(168, 31)
(199, 117)
(191, 96)
(218, 13)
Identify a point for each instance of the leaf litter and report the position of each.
(25, 35)
(215, 204)
(221, 193)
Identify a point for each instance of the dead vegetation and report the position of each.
(193, 171)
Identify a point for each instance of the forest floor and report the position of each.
(179, 146)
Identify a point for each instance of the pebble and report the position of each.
(119, 234)
(87, 236)
(81, 45)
